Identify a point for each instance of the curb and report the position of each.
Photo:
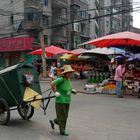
(84, 92)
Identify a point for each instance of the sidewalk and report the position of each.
(44, 79)
(79, 85)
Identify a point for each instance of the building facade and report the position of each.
(110, 16)
(117, 17)
(65, 23)
(80, 29)
(22, 19)
(60, 18)
(94, 23)
(67, 13)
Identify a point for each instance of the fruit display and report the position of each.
(85, 67)
(110, 86)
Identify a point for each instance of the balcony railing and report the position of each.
(32, 3)
(60, 19)
(63, 3)
(28, 25)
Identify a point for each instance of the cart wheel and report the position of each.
(26, 111)
(4, 112)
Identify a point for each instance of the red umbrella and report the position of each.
(50, 51)
(123, 38)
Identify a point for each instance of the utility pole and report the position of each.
(128, 5)
(72, 16)
(42, 44)
(111, 20)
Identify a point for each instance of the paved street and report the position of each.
(91, 117)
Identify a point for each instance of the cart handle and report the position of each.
(42, 99)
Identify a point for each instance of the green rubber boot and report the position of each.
(64, 133)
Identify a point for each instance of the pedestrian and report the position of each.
(52, 71)
(62, 89)
(119, 77)
(38, 66)
(81, 68)
(58, 69)
(58, 65)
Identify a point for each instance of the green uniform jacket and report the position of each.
(63, 86)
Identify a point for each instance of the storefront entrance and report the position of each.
(12, 50)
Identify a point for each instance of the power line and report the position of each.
(96, 17)
(100, 8)
(8, 6)
(65, 24)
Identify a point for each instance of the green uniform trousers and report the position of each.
(62, 110)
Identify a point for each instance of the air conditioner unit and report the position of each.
(77, 27)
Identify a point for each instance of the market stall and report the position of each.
(132, 78)
(77, 63)
(129, 41)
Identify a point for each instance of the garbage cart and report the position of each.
(13, 82)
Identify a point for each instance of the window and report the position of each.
(64, 32)
(46, 39)
(107, 24)
(31, 14)
(75, 9)
(64, 12)
(45, 20)
(116, 23)
(119, 24)
(85, 1)
(18, 25)
(46, 2)
(83, 27)
(11, 19)
(83, 14)
(108, 11)
(36, 39)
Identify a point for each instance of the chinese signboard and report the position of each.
(15, 44)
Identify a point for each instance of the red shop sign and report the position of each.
(16, 44)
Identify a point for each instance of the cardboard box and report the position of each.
(99, 89)
(105, 91)
(112, 91)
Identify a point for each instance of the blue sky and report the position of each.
(136, 15)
